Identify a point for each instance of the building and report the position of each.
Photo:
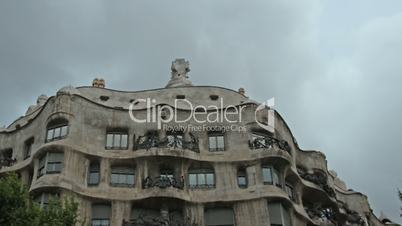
(126, 163)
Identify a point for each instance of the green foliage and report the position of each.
(17, 207)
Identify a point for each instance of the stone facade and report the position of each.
(82, 142)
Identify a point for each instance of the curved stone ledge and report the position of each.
(192, 196)
(226, 156)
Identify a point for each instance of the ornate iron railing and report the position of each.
(163, 182)
(319, 179)
(7, 162)
(173, 141)
(267, 142)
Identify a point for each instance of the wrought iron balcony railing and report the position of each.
(319, 179)
(267, 142)
(173, 141)
(163, 182)
(7, 162)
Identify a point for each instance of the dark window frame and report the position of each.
(54, 126)
(94, 168)
(44, 163)
(114, 146)
(216, 147)
(126, 174)
(28, 147)
(201, 173)
(274, 174)
(242, 173)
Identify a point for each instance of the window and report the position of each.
(242, 178)
(117, 140)
(290, 191)
(278, 215)
(122, 176)
(44, 198)
(270, 176)
(201, 178)
(51, 162)
(101, 214)
(219, 217)
(94, 173)
(216, 142)
(28, 147)
(57, 129)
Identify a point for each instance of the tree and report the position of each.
(17, 207)
(400, 198)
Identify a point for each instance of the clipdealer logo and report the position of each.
(201, 115)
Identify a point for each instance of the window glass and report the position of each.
(219, 217)
(201, 179)
(93, 178)
(216, 142)
(212, 142)
(221, 143)
(64, 131)
(267, 175)
(276, 177)
(50, 133)
(124, 140)
(116, 140)
(122, 176)
(109, 140)
(242, 181)
(57, 132)
(289, 190)
(94, 174)
(210, 179)
(101, 214)
(193, 179)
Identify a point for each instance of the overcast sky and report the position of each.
(334, 67)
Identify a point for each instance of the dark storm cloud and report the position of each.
(345, 105)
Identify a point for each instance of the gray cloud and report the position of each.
(335, 82)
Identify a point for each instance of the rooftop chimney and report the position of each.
(180, 68)
(98, 82)
(242, 91)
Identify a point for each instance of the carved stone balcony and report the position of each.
(319, 179)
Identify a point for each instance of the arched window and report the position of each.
(201, 178)
(122, 176)
(101, 214)
(57, 129)
(50, 163)
(242, 178)
(94, 173)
